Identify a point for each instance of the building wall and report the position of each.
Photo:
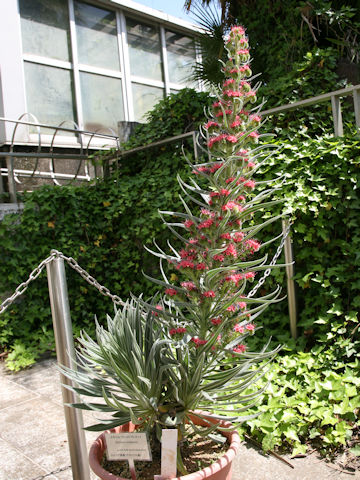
(88, 63)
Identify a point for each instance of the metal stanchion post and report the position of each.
(289, 258)
(65, 355)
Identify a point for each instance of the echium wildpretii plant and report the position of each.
(161, 360)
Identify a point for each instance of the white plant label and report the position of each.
(127, 446)
(168, 453)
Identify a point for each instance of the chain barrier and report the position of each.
(23, 286)
(91, 280)
(20, 290)
(58, 470)
(272, 263)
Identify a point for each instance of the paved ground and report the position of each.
(33, 441)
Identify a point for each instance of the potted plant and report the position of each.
(180, 360)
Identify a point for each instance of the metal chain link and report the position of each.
(23, 286)
(91, 280)
(58, 470)
(272, 263)
(74, 265)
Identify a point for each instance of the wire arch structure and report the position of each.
(46, 152)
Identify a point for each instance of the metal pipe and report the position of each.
(65, 352)
(11, 179)
(337, 117)
(356, 98)
(289, 259)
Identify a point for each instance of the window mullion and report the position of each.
(165, 60)
(75, 64)
(127, 81)
(122, 64)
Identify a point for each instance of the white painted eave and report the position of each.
(153, 15)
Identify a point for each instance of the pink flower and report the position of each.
(227, 112)
(231, 138)
(209, 294)
(250, 327)
(188, 286)
(251, 93)
(244, 68)
(216, 321)
(219, 257)
(230, 179)
(242, 153)
(171, 292)
(243, 51)
(200, 169)
(254, 135)
(172, 331)
(159, 308)
(198, 342)
(201, 266)
(238, 236)
(188, 223)
(242, 305)
(214, 194)
(205, 224)
(185, 264)
(235, 124)
(250, 275)
(255, 118)
(211, 124)
(194, 241)
(238, 29)
(239, 328)
(215, 167)
(232, 308)
(236, 277)
(226, 235)
(239, 348)
(249, 184)
(224, 192)
(232, 93)
(180, 330)
(228, 82)
(217, 139)
(253, 245)
(204, 211)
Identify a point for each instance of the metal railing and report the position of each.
(334, 97)
(81, 169)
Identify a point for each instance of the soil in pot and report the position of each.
(198, 452)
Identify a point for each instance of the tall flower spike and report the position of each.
(220, 256)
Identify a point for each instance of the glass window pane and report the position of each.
(96, 35)
(144, 50)
(45, 28)
(144, 98)
(181, 57)
(102, 101)
(49, 93)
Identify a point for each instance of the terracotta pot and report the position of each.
(219, 470)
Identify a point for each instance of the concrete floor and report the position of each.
(33, 441)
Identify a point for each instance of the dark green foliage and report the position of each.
(322, 195)
(103, 226)
(283, 32)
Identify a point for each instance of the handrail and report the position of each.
(332, 96)
(312, 101)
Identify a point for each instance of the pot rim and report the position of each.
(98, 447)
